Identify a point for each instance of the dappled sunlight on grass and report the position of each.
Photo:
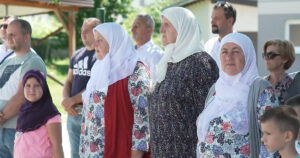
(59, 70)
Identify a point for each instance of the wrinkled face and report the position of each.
(33, 90)
(274, 63)
(272, 137)
(169, 33)
(87, 35)
(140, 31)
(232, 59)
(101, 45)
(219, 23)
(16, 39)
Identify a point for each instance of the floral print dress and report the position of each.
(92, 128)
(281, 87)
(228, 135)
(175, 104)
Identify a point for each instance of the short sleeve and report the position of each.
(72, 61)
(266, 100)
(55, 119)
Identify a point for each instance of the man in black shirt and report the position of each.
(78, 75)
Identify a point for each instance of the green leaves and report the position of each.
(54, 1)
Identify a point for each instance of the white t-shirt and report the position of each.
(212, 47)
(150, 54)
(4, 52)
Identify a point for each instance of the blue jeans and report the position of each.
(7, 138)
(74, 130)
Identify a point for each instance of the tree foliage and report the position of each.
(154, 10)
(114, 10)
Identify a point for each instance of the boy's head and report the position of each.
(295, 103)
(280, 126)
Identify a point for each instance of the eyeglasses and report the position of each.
(270, 55)
(221, 3)
(4, 26)
(224, 4)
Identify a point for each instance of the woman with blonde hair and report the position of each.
(279, 56)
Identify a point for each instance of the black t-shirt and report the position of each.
(81, 64)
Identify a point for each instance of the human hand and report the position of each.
(69, 106)
(72, 111)
(2, 119)
(67, 103)
(137, 154)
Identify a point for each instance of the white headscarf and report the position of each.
(231, 91)
(188, 39)
(117, 64)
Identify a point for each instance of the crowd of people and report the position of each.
(126, 100)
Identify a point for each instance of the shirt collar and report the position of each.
(145, 46)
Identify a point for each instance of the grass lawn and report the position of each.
(59, 70)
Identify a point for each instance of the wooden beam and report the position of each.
(69, 23)
(61, 18)
(6, 10)
(46, 37)
(36, 4)
(72, 32)
(55, 80)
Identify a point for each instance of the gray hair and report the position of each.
(148, 19)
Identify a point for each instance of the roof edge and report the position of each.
(184, 3)
(242, 2)
(190, 2)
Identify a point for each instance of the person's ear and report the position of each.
(288, 136)
(231, 20)
(27, 37)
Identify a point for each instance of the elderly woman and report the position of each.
(228, 126)
(115, 112)
(279, 56)
(185, 74)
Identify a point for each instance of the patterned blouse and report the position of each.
(92, 128)
(281, 87)
(228, 135)
(175, 104)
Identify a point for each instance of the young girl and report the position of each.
(38, 126)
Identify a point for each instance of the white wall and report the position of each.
(273, 15)
(269, 7)
(247, 17)
(202, 11)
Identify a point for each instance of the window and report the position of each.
(292, 33)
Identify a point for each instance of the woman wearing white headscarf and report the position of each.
(185, 74)
(115, 115)
(228, 126)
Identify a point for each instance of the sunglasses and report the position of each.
(270, 55)
(4, 26)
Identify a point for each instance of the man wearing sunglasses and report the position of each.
(222, 20)
(4, 51)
